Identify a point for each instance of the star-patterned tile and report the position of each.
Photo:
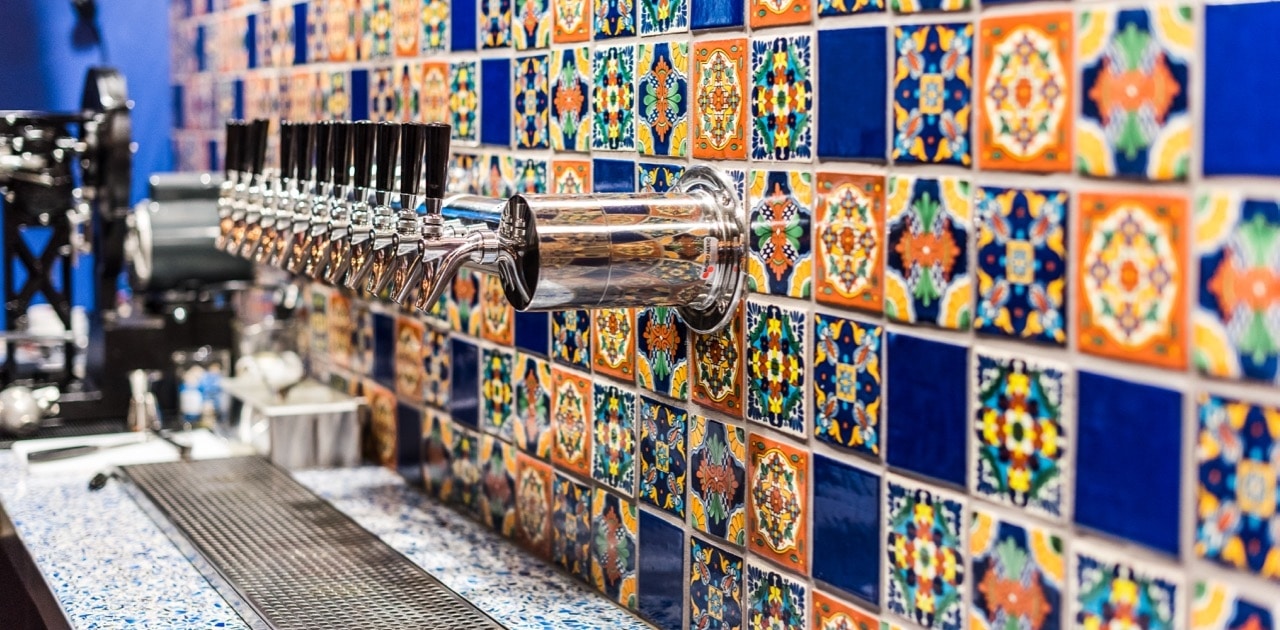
(376, 43)
(663, 455)
(719, 99)
(613, 462)
(662, 98)
(775, 366)
(1019, 574)
(718, 367)
(927, 278)
(718, 479)
(782, 92)
(932, 80)
(571, 526)
(497, 400)
(613, 547)
(534, 505)
(919, 517)
(531, 85)
(780, 211)
(434, 37)
(464, 101)
(847, 382)
(613, 342)
(495, 23)
(613, 111)
(571, 102)
(715, 586)
(571, 338)
(531, 25)
(848, 240)
(1112, 589)
(778, 504)
(662, 352)
(571, 419)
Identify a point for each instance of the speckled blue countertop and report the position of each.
(110, 566)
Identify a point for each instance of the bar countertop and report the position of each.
(108, 565)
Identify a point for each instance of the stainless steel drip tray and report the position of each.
(284, 558)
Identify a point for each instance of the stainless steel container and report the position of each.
(312, 426)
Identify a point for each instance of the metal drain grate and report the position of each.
(296, 560)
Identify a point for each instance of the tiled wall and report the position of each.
(1011, 353)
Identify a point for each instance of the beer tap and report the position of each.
(295, 258)
(235, 131)
(261, 232)
(406, 264)
(354, 270)
(322, 231)
(298, 202)
(249, 187)
(383, 211)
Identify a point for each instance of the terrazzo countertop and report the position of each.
(109, 565)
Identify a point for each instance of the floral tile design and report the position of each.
(409, 357)
(433, 100)
(382, 95)
(830, 613)
(614, 460)
(498, 498)
(570, 108)
(342, 29)
(497, 400)
(532, 428)
(1022, 263)
(533, 505)
(1019, 574)
(720, 99)
(921, 6)
(1217, 605)
(408, 89)
(498, 177)
(497, 321)
(662, 352)
(464, 101)
(532, 104)
(664, 16)
(570, 177)
(613, 342)
(572, 20)
(1132, 280)
(847, 382)
(926, 593)
(778, 505)
(718, 366)
(531, 178)
(781, 207)
(615, 18)
(495, 23)
(657, 178)
(342, 330)
(571, 526)
(775, 600)
(662, 119)
(927, 277)
(613, 72)
(404, 27)
(571, 418)
(829, 8)
(1111, 590)
(1237, 480)
(435, 367)
(718, 479)
(1021, 434)
(1024, 113)
(782, 90)
(434, 36)
(614, 522)
(931, 84)
(376, 43)
(382, 424)
(776, 388)
(1134, 119)
(532, 24)
(318, 317)
(779, 12)
(1236, 245)
(439, 442)
(848, 238)
(663, 460)
(571, 338)
(464, 465)
(715, 586)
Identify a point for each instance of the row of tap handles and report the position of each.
(363, 206)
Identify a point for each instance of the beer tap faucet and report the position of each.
(227, 191)
(321, 246)
(383, 210)
(294, 260)
(355, 267)
(252, 155)
(298, 202)
(260, 228)
(406, 264)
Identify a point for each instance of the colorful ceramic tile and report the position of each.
(1133, 119)
(571, 419)
(927, 277)
(718, 366)
(1112, 590)
(435, 367)
(497, 402)
(848, 237)
(464, 101)
(663, 460)
(847, 383)
(1218, 606)
(570, 106)
(718, 479)
(434, 36)
(929, 591)
(532, 431)
(657, 178)
(1019, 575)
(782, 90)
(778, 504)
(931, 84)
(1238, 454)
(378, 20)
(533, 505)
(1024, 113)
(779, 12)
(774, 599)
(498, 176)
(613, 342)
(615, 18)
(1021, 435)
(343, 26)
(572, 21)
(829, 8)
(920, 6)
(498, 496)
(406, 15)
(464, 303)
(775, 366)
(1022, 263)
(715, 587)
(720, 99)
(532, 26)
(1234, 335)
(614, 460)
(335, 95)
(613, 547)
(662, 352)
(439, 442)
(662, 122)
(382, 424)
(570, 177)
(663, 16)
(780, 208)
(571, 338)
(531, 178)
(342, 330)
(532, 105)
(571, 526)
(383, 94)
(409, 357)
(495, 23)
(613, 72)
(1132, 259)
(830, 613)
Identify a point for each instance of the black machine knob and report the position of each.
(286, 149)
(413, 140)
(385, 154)
(231, 153)
(436, 155)
(324, 152)
(244, 154)
(362, 138)
(260, 127)
(341, 146)
(303, 147)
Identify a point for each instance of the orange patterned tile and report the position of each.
(433, 99)
(497, 316)
(410, 370)
(849, 241)
(572, 21)
(718, 367)
(571, 177)
(778, 502)
(613, 343)
(780, 12)
(571, 420)
(720, 99)
(830, 613)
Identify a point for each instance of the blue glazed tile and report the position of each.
(533, 332)
(201, 60)
(464, 386)
(237, 88)
(1239, 93)
(384, 349)
(495, 101)
(715, 586)
(250, 41)
(662, 582)
(927, 407)
(658, 178)
(1127, 461)
(215, 154)
(176, 104)
(409, 443)
(846, 528)
(613, 176)
(360, 95)
(571, 338)
(615, 18)
(851, 103)
(300, 33)
(464, 28)
(705, 15)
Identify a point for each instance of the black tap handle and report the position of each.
(304, 145)
(231, 149)
(244, 153)
(362, 138)
(437, 158)
(413, 139)
(260, 126)
(341, 142)
(324, 155)
(385, 154)
(287, 154)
